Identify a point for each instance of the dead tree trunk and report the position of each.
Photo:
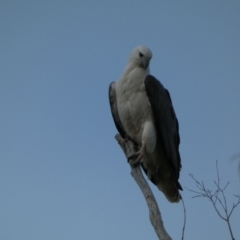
(129, 148)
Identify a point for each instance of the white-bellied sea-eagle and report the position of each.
(143, 112)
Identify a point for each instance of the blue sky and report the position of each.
(62, 174)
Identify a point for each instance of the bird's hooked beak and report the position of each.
(145, 62)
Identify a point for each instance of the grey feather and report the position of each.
(114, 111)
(165, 121)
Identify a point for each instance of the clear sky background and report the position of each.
(62, 174)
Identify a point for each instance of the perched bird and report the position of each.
(143, 112)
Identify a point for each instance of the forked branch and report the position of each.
(218, 199)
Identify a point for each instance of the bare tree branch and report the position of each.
(129, 148)
(217, 198)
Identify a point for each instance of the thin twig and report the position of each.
(185, 217)
(217, 198)
(234, 157)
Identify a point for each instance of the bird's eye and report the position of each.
(140, 54)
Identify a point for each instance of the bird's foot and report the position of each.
(136, 158)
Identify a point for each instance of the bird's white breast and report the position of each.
(133, 106)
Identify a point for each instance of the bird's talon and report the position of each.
(135, 159)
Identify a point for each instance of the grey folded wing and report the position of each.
(165, 120)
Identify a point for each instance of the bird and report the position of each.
(143, 112)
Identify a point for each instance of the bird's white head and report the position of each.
(140, 57)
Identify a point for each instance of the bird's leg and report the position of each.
(137, 157)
